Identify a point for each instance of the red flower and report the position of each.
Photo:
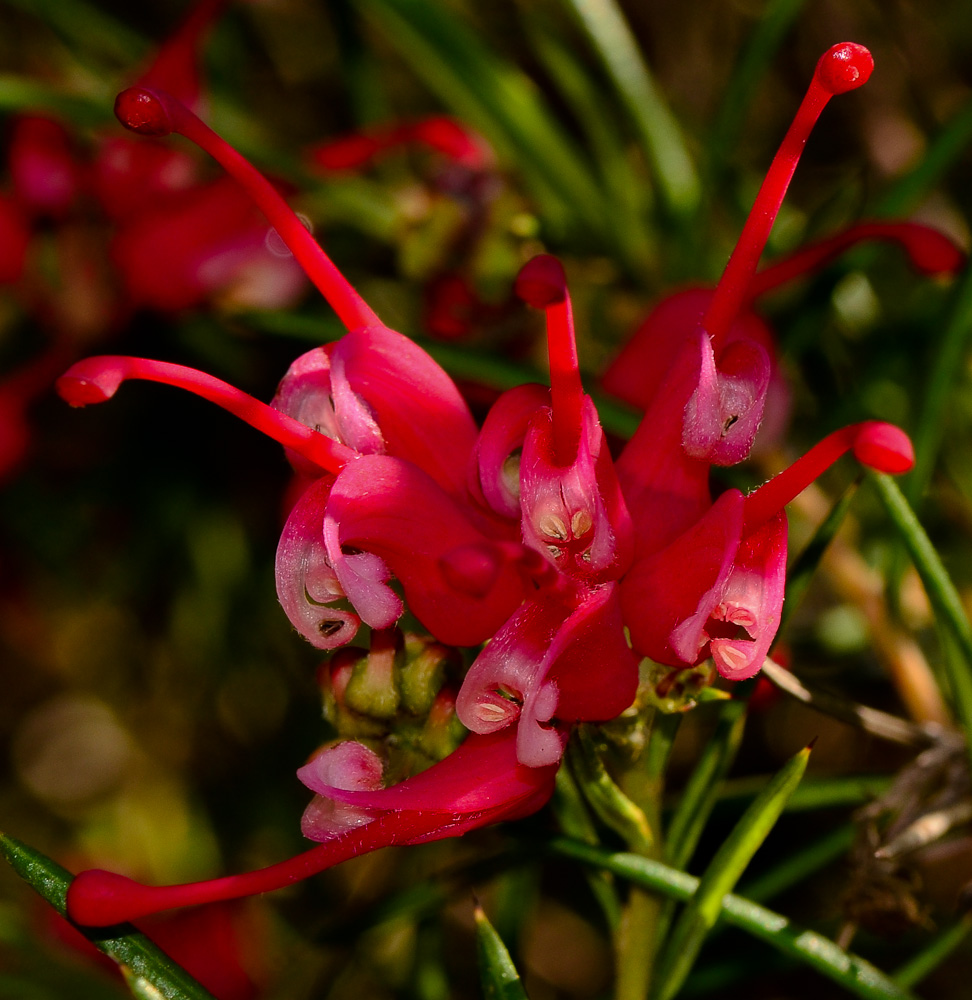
(524, 535)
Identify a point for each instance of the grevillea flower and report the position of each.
(524, 536)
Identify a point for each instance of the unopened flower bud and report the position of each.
(424, 672)
(373, 688)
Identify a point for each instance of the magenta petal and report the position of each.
(494, 473)
(665, 489)
(575, 514)
(306, 582)
(417, 407)
(393, 510)
(348, 765)
(668, 597)
(724, 413)
(551, 664)
(752, 600)
(480, 783)
(482, 775)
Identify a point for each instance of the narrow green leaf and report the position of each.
(855, 974)
(628, 190)
(498, 99)
(775, 20)
(949, 612)
(575, 821)
(149, 971)
(497, 973)
(609, 803)
(658, 129)
(724, 871)
(952, 348)
(934, 953)
(701, 792)
(943, 151)
(814, 793)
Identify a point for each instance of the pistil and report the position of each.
(841, 68)
(156, 113)
(542, 284)
(95, 380)
(879, 446)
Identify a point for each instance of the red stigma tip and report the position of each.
(98, 898)
(142, 111)
(89, 381)
(541, 282)
(884, 447)
(844, 67)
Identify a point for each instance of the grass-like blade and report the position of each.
(768, 34)
(855, 974)
(701, 792)
(499, 100)
(148, 970)
(497, 973)
(934, 953)
(944, 597)
(658, 130)
(721, 876)
(952, 348)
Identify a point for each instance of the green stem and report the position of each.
(855, 974)
(637, 939)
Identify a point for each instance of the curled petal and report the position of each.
(307, 584)
(494, 473)
(380, 393)
(574, 514)
(668, 597)
(725, 411)
(752, 602)
(393, 510)
(478, 784)
(363, 577)
(550, 665)
(348, 765)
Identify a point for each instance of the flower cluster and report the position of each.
(524, 536)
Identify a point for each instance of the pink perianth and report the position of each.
(843, 67)
(98, 898)
(929, 251)
(879, 446)
(154, 112)
(542, 284)
(95, 380)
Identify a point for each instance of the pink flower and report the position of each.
(526, 534)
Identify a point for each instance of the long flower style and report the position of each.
(523, 535)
